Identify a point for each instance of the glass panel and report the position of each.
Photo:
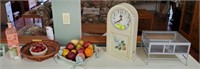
(181, 49)
(157, 48)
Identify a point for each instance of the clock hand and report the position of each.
(119, 19)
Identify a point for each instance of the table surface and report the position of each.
(105, 61)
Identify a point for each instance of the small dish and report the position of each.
(38, 53)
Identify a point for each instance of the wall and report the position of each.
(65, 32)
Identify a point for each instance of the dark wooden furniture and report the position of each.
(23, 39)
(189, 25)
(97, 29)
(146, 20)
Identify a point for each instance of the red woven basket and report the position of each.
(53, 48)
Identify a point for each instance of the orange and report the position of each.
(88, 52)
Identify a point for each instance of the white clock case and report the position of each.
(130, 33)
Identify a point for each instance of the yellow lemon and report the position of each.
(65, 52)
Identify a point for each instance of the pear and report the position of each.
(74, 51)
(74, 41)
(81, 42)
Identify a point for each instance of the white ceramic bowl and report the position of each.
(38, 53)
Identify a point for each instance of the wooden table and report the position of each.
(145, 15)
(93, 39)
(23, 39)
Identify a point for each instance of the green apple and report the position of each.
(78, 46)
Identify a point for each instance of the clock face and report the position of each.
(120, 18)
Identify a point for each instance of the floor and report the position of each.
(160, 24)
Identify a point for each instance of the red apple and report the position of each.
(33, 50)
(81, 50)
(38, 48)
(86, 44)
(70, 46)
(43, 47)
(71, 56)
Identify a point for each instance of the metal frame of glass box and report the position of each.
(165, 43)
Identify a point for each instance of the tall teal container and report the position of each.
(65, 32)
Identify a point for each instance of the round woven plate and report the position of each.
(53, 48)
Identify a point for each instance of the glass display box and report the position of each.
(165, 43)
